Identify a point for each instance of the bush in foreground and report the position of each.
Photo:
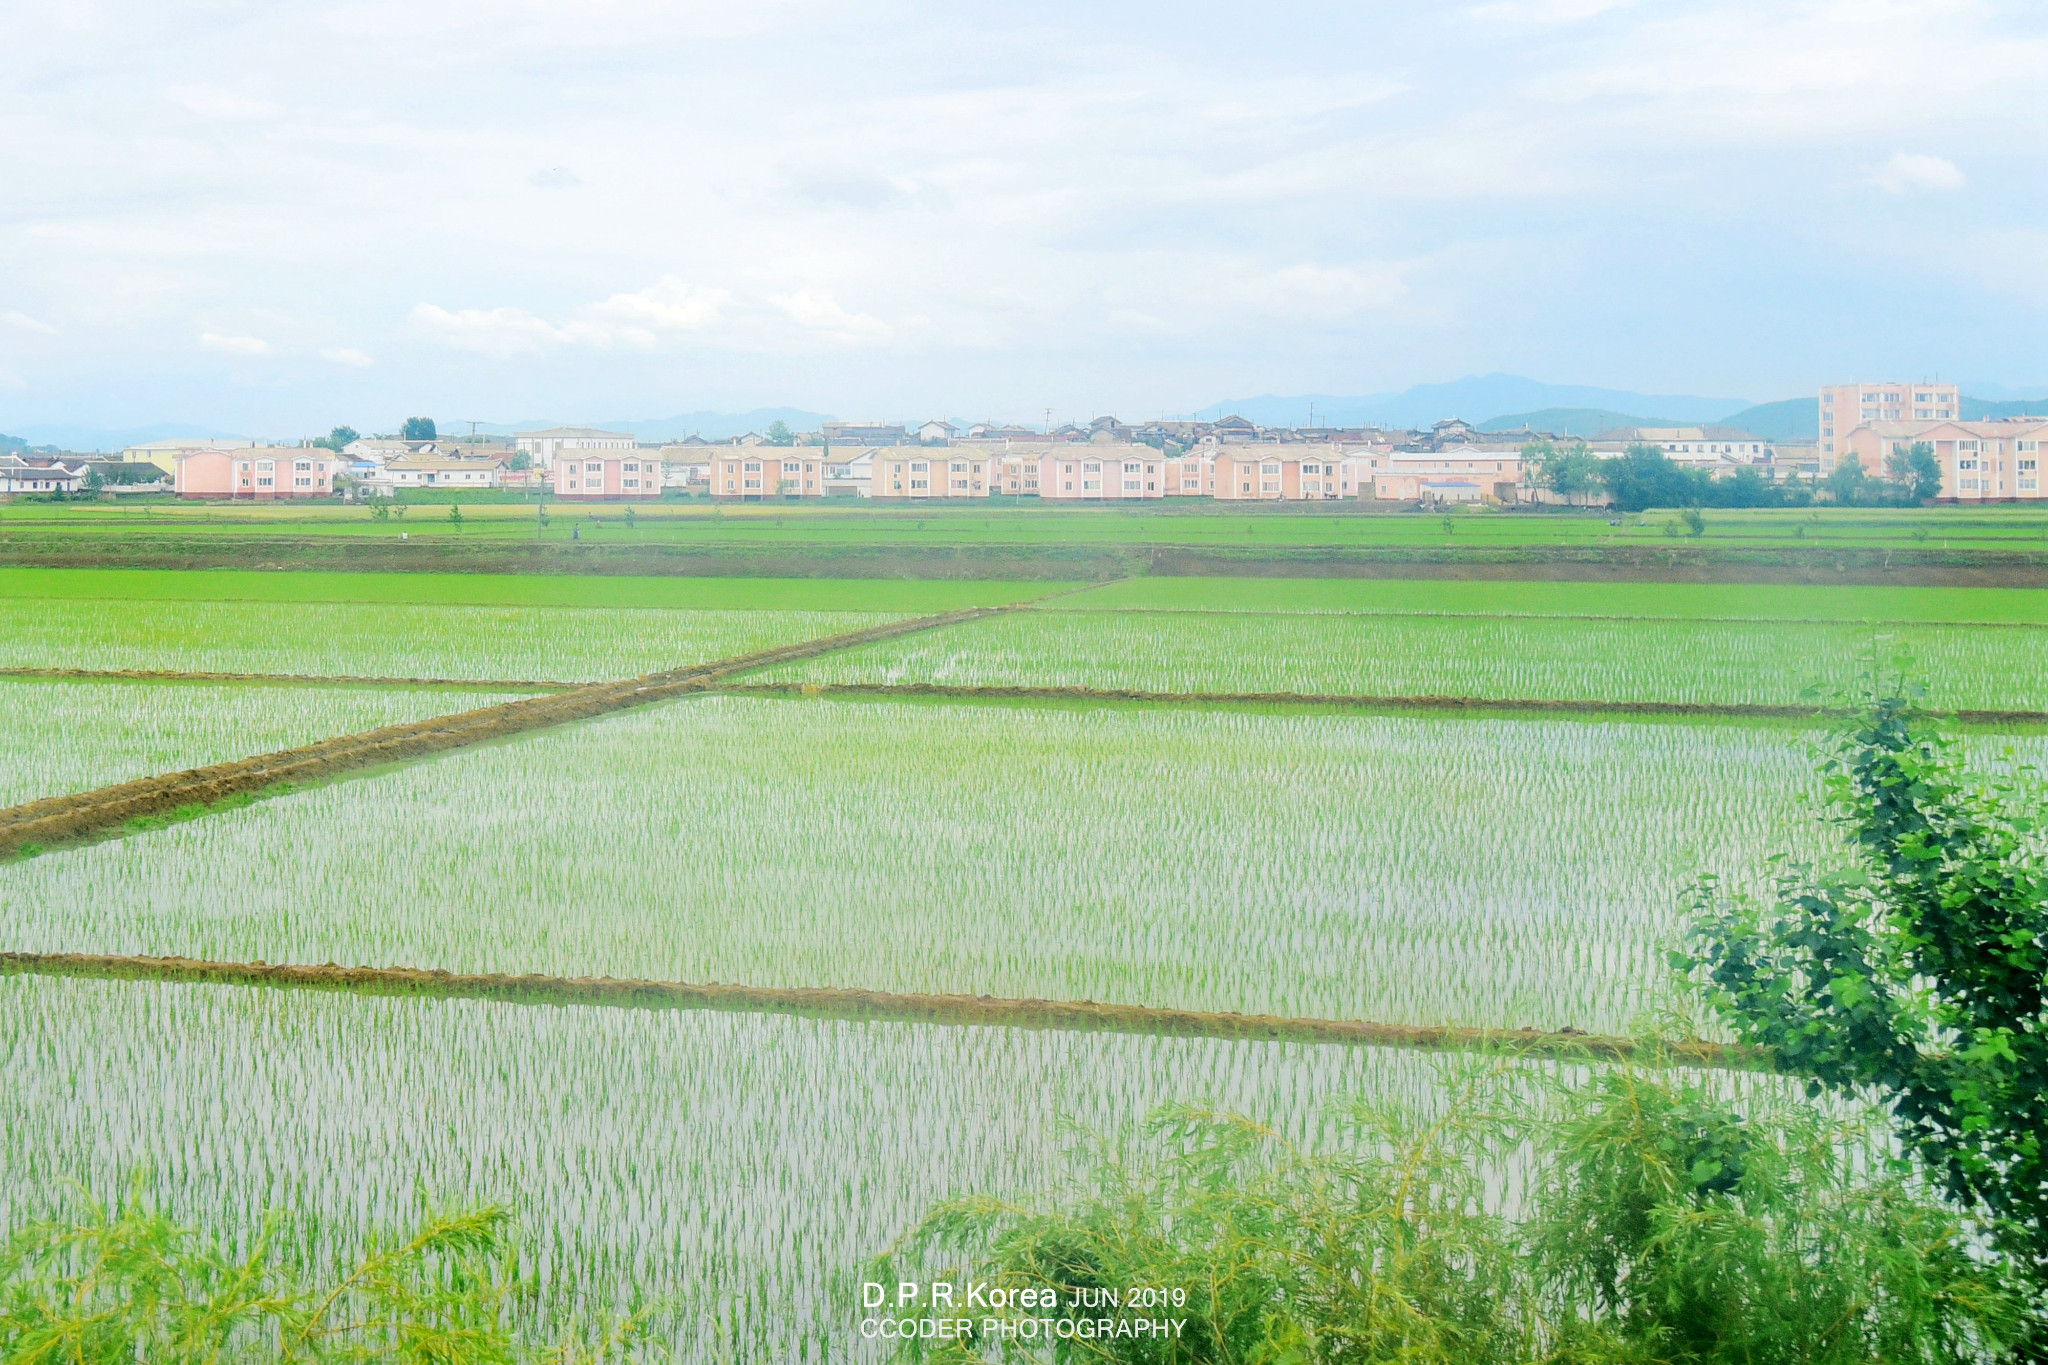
(125, 1285)
(1654, 1222)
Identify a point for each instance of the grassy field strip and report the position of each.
(1662, 601)
(1503, 706)
(94, 813)
(816, 1002)
(72, 736)
(1693, 662)
(582, 645)
(637, 592)
(1079, 603)
(1478, 872)
(743, 1165)
(276, 679)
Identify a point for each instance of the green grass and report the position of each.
(395, 640)
(743, 1166)
(1692, 601)
(64, 737)
(1488, 872)
(509, 590)
(1520, 658)
(1193, 523)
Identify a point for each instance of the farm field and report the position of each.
(72, 736)
(1422, 871)
(510, 590)
(1500, 871)
(1664, 601)
(397, 640)
(1200, 523)
(1528, 658)
(742, 1165)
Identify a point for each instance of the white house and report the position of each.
(546, 446)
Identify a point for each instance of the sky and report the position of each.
(270, 217)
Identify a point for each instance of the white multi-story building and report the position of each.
(548, 446)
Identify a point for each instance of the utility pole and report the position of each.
(1048, 421)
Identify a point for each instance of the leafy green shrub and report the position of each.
(126, 1284)
(1657, 1222)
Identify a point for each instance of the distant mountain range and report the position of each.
(1585, 422)
(712, 426)
(1475, 398)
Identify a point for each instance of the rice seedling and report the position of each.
(743, 1166)
(1496, 873)
(73, 736)
(1728, 662)
(396, 640)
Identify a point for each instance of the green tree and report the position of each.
(522, 460)
(1918, 975)
(1643, 477)
(417, 429)
(1915, 470)
(341, 436)
(1695, 522)
(1846, 484)
(95, 482)
(779, 433)
(1568, 471)
(455, 513)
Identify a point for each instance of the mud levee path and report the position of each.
(1083, 1016)
(1342, 701)
(161, 675)
(63, 819)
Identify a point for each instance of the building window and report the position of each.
(920, 483)
(263, 481)
(630, 483)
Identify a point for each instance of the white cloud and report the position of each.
(670, 304)
(554, 178)
(1542, 11)
(346, 355)
(1907, 172)
(229, 344)
(497, 332)
(23, 322)
(822, 314)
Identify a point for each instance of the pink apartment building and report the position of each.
(259, 473)
(1980, 461)
(771, 472)
(1844, 407)
(1245, 473)
(601, 475)
(1083, 472)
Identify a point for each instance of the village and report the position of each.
(1228, 460)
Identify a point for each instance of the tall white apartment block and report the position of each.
(1844, 407)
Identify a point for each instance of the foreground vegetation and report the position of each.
(1647, 1218)
(1651, 1219)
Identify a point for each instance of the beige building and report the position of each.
(772, 471)
(939, 472)
(1844, 407)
